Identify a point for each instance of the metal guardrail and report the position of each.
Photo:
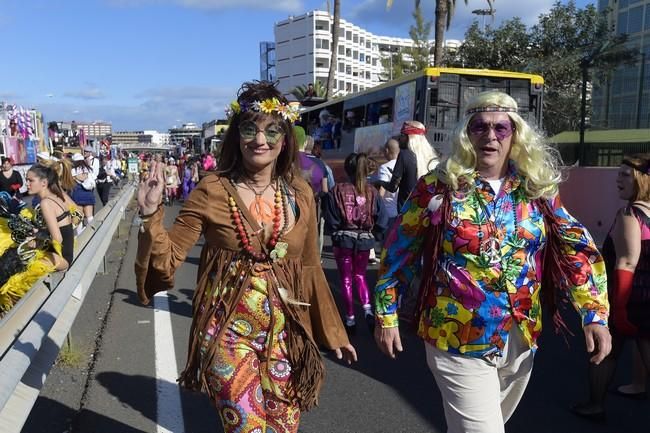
(32, 333)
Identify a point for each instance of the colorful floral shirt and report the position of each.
(489, 272)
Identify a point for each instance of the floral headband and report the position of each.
(491, 109)
(288, 112)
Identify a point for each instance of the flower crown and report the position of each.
(288, 112)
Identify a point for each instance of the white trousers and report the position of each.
(480, 395)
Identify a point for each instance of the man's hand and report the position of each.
(388, 340)
(599, 342)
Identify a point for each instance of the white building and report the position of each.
(158, 138)
(303, 52)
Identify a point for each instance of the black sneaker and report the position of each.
(351, 327)
(370, 322)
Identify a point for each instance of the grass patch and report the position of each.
(70, 357)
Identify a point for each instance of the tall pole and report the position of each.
(640, 97)
(583, 110)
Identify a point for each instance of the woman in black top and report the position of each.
(10, 180)
(55, 207)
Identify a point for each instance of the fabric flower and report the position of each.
(269, 105)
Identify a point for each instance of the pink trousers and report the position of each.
(352, 267)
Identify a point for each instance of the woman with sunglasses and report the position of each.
(262, 305)
(484, 229)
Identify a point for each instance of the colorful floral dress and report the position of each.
(489, 273)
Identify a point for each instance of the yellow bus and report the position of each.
(435, 96)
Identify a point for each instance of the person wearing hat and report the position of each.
(92, 162)
(489, 235)
(83, 194)
(10, 180)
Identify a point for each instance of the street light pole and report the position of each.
(584, 66)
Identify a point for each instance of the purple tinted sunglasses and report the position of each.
(502, 129)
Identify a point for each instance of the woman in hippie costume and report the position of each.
(262, 304)
(493, 240)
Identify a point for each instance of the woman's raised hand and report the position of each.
(150, 191)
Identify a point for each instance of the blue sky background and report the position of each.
(153, 64)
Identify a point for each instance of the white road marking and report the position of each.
(143, 322)
(170, 413)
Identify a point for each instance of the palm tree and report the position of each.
(331, 81)
(299, 91)
(444, 12)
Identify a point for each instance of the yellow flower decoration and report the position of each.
(268, 106)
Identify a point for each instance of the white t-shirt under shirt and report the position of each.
(495, 184)
(385, 173)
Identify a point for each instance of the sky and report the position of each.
(155, 64)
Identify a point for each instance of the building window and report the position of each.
(362, 57)
(374, 61)
(368, 44)
(367, 75)
(341, 67)
(348, 52)
(355, 39)
(348, 36)
(355, 88)
(355, 55)
(348, 87)
(323, 43)
(341, 50)
(348, 69)
(621, 27)
(362, 40)
(341, 85)
(635, 20)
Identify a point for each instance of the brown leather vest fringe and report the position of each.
(220, 300)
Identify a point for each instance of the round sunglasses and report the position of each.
(502, 129)
(248, 131)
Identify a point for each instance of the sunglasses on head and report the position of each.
(502, 129)
(248, 131)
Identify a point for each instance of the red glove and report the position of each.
(622, 292)
(15, 186)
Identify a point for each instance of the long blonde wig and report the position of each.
(537, 162)
(426, 156)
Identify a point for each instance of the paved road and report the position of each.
(116, 391)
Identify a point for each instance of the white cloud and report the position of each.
(373, 12)
(158, 108)
(291, 6)
(87, 93)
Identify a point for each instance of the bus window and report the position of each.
(379, 112)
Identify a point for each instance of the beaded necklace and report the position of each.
(278, 249)
(491, 246)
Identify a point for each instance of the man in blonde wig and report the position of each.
(488, 235)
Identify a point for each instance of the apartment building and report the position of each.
(303, 51)
(623, 100)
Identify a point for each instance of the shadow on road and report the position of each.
(64, 417)
(198, 415)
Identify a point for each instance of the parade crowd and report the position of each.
(475, 248)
